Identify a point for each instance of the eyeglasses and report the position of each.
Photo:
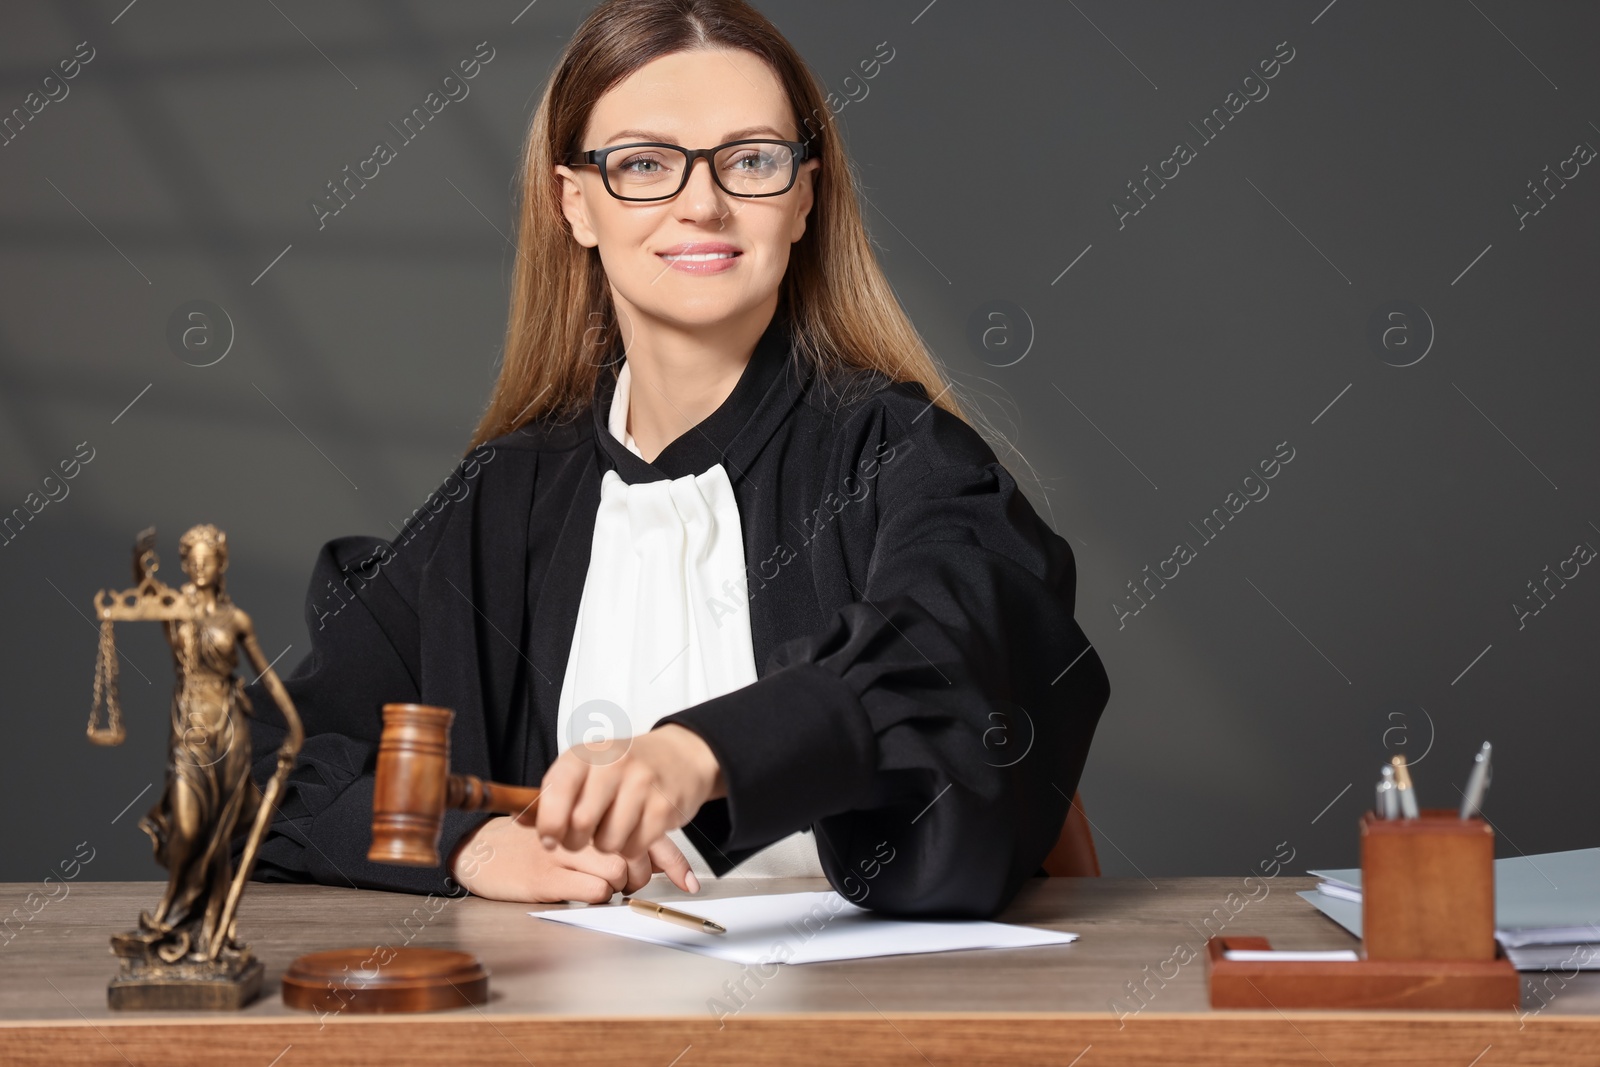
(653, 170)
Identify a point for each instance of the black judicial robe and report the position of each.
(925, 700)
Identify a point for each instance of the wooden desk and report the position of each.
(568, 996)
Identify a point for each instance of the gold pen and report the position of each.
(1404, 790)
(673, 915)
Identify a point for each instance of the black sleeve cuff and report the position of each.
(794, 747)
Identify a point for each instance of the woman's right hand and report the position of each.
(505, 860)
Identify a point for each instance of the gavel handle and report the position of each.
(465, 792)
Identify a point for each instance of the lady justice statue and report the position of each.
(184, 954)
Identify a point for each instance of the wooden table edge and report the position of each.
(1219, 1016)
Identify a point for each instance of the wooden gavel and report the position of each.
(414, 786)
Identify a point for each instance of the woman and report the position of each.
(726, 572)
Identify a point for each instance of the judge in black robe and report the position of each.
(925, 700)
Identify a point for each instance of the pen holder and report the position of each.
(1427, 888)
(1427, 924)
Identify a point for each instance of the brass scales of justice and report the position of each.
(186, 954)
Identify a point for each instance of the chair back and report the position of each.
(1073, 855)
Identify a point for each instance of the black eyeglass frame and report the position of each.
(597, 157)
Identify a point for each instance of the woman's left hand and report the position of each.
(622, 795)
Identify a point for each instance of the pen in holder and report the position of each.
(1427, 923)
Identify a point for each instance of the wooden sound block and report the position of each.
(404, 980)
(1460, 985)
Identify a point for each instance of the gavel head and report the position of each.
(408, 796)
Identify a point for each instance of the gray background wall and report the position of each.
(1143, 365)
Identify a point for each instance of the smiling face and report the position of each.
(656, 254)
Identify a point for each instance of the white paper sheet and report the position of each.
(1262, 955)
(801, 928)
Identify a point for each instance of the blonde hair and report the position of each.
(843, 313)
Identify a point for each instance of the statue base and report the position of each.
(149, 983)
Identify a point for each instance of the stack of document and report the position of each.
(1546, 908)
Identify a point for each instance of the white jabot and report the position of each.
(663, 623)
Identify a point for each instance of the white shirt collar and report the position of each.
(617, 420)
